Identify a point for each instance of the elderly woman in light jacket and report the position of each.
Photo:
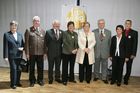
(85, 53)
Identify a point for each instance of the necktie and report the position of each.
(101, 36)
(56, 34)
(37, 29)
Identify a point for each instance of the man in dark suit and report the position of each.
(12, 51)
(35, 51)
(53, 41)
(132, 42)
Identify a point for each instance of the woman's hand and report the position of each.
(20, 48)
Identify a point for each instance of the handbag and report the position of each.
(24, 65)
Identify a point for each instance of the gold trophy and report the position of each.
(78, 16)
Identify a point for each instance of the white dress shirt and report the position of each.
(15, 35)
(56, 32)
(117, 53)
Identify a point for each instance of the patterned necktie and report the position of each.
(56, 34)
(101, 36)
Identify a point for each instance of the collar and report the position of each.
(103, 30)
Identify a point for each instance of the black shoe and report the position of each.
(50, 82)
(118, 84)
(32, 84)
(65, 83)
(13, 87)
(73, 81)
(105, 81)
(112, 83)
(41, 83)
(126, 82)
(88, 82)
(81, 81)
(19, 85)
(58, 80)
(95, 79)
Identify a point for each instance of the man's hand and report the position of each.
(110, 58)
(28, 57)
(132, 57)
(126, 59)
(74, 51)
(20, 48)
(6, 60)
(45, 56)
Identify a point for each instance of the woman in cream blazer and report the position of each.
(85, 53)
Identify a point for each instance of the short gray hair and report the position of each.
(36, 18)
(55, 21)
(101, 20)
(14, 22)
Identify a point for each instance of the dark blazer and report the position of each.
(54, 46)
(132, 42)
(122, 47)
(34, 41)
(10, 45)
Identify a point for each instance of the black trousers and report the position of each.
(128, 69)
(15, 71)
(68, 60)
(51, 62)
(36, 59)
(85, 70)
(117, 69)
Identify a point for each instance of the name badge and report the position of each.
(129, 36)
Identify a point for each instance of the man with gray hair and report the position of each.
(53, 41)
(103, 39)
(34, 50)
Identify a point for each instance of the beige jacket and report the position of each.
(82, 44)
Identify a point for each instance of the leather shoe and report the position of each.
(19, 85)
(112, 83)
(126, 82)
(41, 83)
(88, 82)
(81, 81)
(95, 79)
(65, 83)
(50, 82)
(13, 87)
(73, 81)
(58, 80)
(32, 85)
(105, 81)
(118, 84)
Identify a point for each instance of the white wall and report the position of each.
(113, 11)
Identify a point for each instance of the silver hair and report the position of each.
(36, 18)
(55, 21)
(14, 22)
(101, 20)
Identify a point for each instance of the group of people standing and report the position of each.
(85, 47)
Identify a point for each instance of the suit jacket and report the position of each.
(70, 42)
(102, 47)
(123, 49)
(82, 45)
(10, 45)
(132, 42)
(34, 41)
(54, 46)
